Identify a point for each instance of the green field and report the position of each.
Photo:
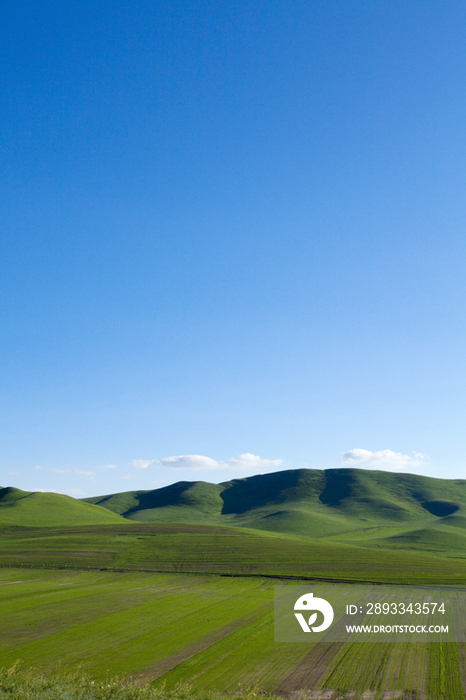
(216, 550)
(176, 584)
(217, 631)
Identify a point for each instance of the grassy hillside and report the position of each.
(361, 508)
(378, 508)
(30, 509)
(184, 501)
(181, 587)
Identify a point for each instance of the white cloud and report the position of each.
(14, 473)
(142, 463)
(190, 462)
(384, 459)
(127, 476)
(244, 461)
(37, 467)
(250, 461)
(109, 466)
(89, 475)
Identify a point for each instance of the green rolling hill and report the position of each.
(353, 505)
(346, 524)
(350, 506)
(142, 561)
(36, 509)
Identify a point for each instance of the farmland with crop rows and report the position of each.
(214, 631)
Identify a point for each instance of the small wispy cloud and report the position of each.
(14, 473)
(384, 459)
(127, 476)
(250, 461)
(90, 475)
(109, 466)
(142, 463)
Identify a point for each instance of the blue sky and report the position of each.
(233, 240)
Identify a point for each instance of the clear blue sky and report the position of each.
(231, 228)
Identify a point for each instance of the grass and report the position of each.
(218, 550)
(180, 588)
(19, 685)
(333, 503)
(49, 510)
(174, 637)
(348, 506)
(124, 624)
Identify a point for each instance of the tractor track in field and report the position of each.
(283, 577)
(116, 570)
(317, 662)
(307, 674)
